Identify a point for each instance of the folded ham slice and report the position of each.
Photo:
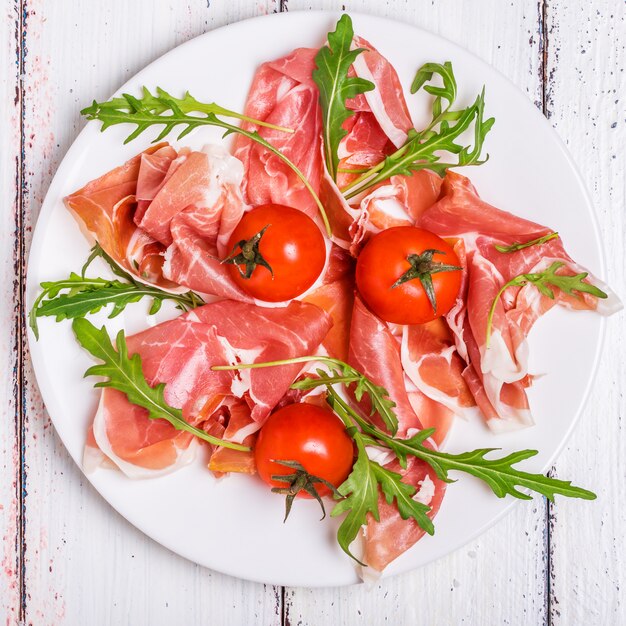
(376, 352)
(379, 126)
(386, 102)
(180, 353)
(498, 374)
(166, 217)
(106, 207)
(283, 94)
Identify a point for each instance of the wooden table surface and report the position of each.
(68, 558)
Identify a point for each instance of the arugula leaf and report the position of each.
(447, 92)
(164, 110)
(499, 474)
(77, 296)
(125, 373)
(161, 102)
(360, 493)
(402, 493)
(361, 489)
(425, 149)
(332, 63)
(544, 281)
(521, 246)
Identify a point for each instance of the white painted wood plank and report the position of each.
(500, 578)
(9, 290)
(585, 100)
(84, 563)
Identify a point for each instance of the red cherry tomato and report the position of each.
(314, 437)
(385, 261)
(290, 244)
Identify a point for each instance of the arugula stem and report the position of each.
(521, 246)
(492, 309)
(297, 359)
(253, 136)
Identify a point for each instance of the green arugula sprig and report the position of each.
(116, 110)
(162, 109)
(545, 281)
(360, 491)
(78, 295)
(499, 474)
(425, 149)
(515, 247)
(125, 373)
(332, 63)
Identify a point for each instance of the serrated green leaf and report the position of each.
(78, 296)
(402, 494)
(360, 492)
(125, 373)
(543, 281)
(332, 63)
(165, 110)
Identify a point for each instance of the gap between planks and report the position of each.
(20, 7)
(545, 75)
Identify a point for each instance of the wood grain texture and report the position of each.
(586, 61)
(84, 564)
(469, 585)
(10, 397)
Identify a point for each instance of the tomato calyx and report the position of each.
(298, 481)
(249, 255)
(422, 268)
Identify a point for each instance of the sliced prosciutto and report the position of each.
(106, 206)
(283, 94)
(386, 102)
(230, 404)
(498, 374)
(166, 217)
(375, 352)
(380, 124)
(336, 296)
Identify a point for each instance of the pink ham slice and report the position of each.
(166, 217)
(375, 352)
(498, 375)
(180, 353)
(211, 181)
(106, 206)
(386, 102)
(432, 363)
(379, 126)
(283, 94)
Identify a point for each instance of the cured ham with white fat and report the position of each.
(106, 206)
(376, 352)
(165, 217)
(180, 353)
(380, 125)
(283, 93)
(498, 374)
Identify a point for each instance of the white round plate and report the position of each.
(234, 525)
